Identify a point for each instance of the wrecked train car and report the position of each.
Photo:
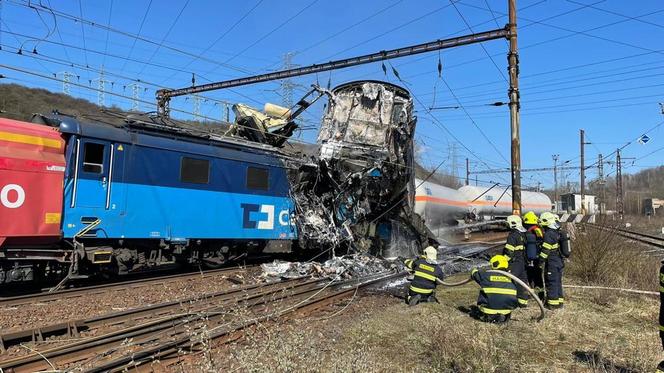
(361, 194)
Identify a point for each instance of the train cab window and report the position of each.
(194, 170)
(93, 158)
(258, 178)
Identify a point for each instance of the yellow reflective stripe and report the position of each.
(409, 263)
(499, 291)
(499, 279)
(490, 311)
(427, 268)
(549, 246)
(544, 255)
(522, 301)
(32, 140)
(473, 271)
(553, 302)
(425, 275)
(420, 290)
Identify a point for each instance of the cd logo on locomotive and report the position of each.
(267, 222)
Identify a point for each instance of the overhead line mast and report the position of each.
(509, 31)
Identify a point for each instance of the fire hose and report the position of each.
(515, 279)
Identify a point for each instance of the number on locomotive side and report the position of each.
(17, 201)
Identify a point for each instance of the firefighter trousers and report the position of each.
(518, 268)
(553, 281)
(535, 279)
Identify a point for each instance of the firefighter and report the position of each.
(515, 252)
(534, 238)
(551, 261)
(498, 294)
(427, 273)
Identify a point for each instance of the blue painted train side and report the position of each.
(145, 186)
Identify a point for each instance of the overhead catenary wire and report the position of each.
(263, 37)
(481, 45)
(398, 27)
(168, 32)
(568, 80)
(219, 38)
(140, 29)
(55, 60)
(25, 71)
(415, 60)
(536, 22)
(108, 33)
(90, 23)
(473, 122)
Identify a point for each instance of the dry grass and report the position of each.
(591, 334)
(599, 258)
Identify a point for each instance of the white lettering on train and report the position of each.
(20, 196)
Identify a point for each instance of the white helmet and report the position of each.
(431, 254)
(549, 220)
(514, 222)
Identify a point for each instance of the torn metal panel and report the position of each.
(272, 126)
(275, 124)
(363, 187)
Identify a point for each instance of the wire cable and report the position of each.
(284, 23)
(140, 29)
(163, 40)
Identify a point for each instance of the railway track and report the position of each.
(100, 289)
(168, 330)
(648, 239)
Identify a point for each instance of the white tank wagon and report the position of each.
(438, 205)
(497, 203)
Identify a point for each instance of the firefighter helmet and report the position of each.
(548, 219)
(530, 218)
(499, 262)
(431, 253)
(514, 222)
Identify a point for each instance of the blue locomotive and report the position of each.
(143, 195)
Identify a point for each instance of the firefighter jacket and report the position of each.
(515, 245)
(424, 280)
(497, 292)
(550, 252)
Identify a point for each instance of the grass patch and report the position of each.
(620, 336)
(600, 258)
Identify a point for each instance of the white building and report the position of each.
(571, 203)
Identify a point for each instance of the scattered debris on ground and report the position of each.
(343, 267)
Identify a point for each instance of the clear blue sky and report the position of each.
(591, 64)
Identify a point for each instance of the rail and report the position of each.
(166, 336)
(18, 300)
(645, 238)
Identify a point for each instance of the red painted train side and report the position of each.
(32, 166)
